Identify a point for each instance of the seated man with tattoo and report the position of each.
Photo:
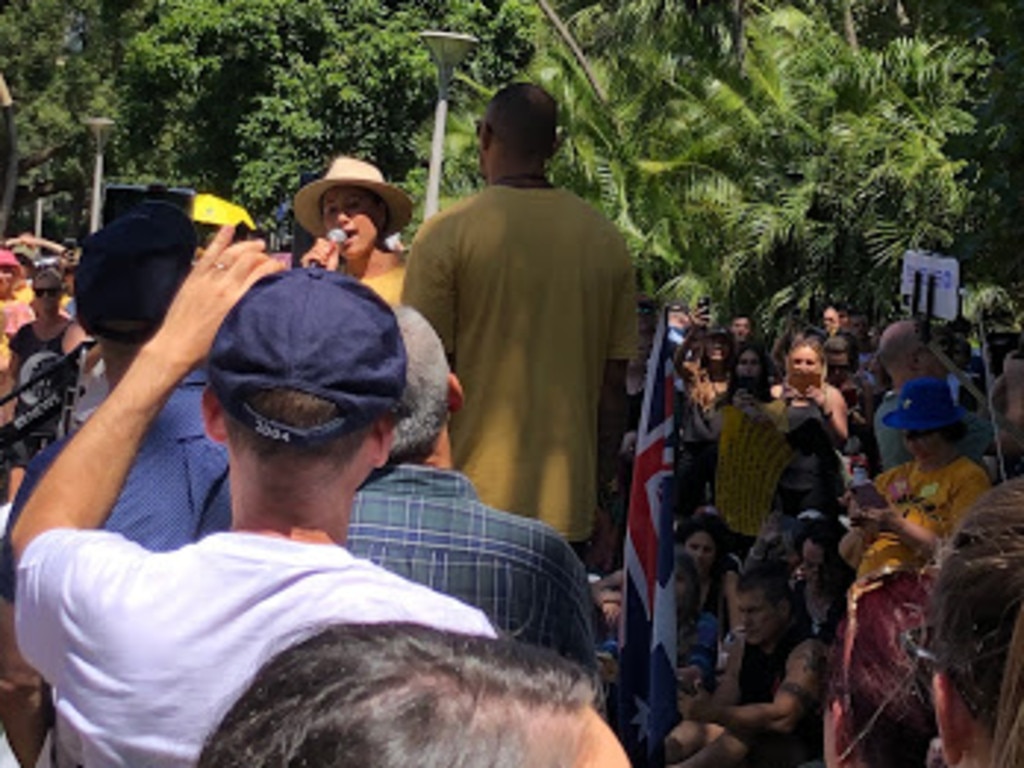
(766, 708)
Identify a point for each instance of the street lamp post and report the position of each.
(447, 50)
(10, 176)
(100, 127)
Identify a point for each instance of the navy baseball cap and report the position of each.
(131, 270)
(316, 332)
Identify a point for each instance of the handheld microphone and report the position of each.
(337, 236)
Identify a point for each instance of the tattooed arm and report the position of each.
(798, 694)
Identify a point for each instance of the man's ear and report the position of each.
(382, 435)
(956, 726)
(486, 135)
(456, 398)
(557, 143)
(214, 418)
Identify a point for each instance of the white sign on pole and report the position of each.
(946, 270)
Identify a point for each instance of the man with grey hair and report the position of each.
(905, 356)
(420, 519)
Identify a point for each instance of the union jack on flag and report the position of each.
(647, 656)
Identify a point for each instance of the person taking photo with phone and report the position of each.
(816, 414)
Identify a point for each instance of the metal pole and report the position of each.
(99, 126)
(97, 187)
(39, 217)
(430, 206)
(11, 172)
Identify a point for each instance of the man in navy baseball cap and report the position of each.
(310, 336)
(146, 651)
(131, 269)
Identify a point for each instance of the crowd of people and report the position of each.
(870, 448)
(345, 514)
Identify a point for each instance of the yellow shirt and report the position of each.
(935, 500)
(388, 285)
(532, 291)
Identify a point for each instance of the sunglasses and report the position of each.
(44, 292)
(917, 434)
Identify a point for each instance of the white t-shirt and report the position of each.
(146, 651)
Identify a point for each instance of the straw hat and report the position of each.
(348, 171)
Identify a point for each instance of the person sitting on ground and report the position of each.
(145, 651)
(976, 648)
(765, 710)
(399, 695)
(822, 579)
(420, 519)
(354, 198)
(706, 539)
(696, 630)
(900, 521)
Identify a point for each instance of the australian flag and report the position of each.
(647, 656)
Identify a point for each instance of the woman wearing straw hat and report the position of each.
(354, 198)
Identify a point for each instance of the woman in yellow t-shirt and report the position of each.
(917, 504)
(353, 198)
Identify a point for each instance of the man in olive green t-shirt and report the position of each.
(532, 292)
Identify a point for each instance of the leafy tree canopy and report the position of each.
(238, 97)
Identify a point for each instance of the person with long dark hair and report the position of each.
(705, 539)
(704, 361)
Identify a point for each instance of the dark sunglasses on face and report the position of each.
(917, 434)
(44, 292)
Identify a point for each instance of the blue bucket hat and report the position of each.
(316, 332)
(924, 404)
(132, 268)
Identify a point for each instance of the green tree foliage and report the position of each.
(798, 172)
(995, 151)
(60, 59)
(258, 91)
(236, 97)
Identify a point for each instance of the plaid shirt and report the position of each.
(428, 525)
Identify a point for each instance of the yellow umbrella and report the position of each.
(210, 209)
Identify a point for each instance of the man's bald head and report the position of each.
(904, 355)
(523, 118)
